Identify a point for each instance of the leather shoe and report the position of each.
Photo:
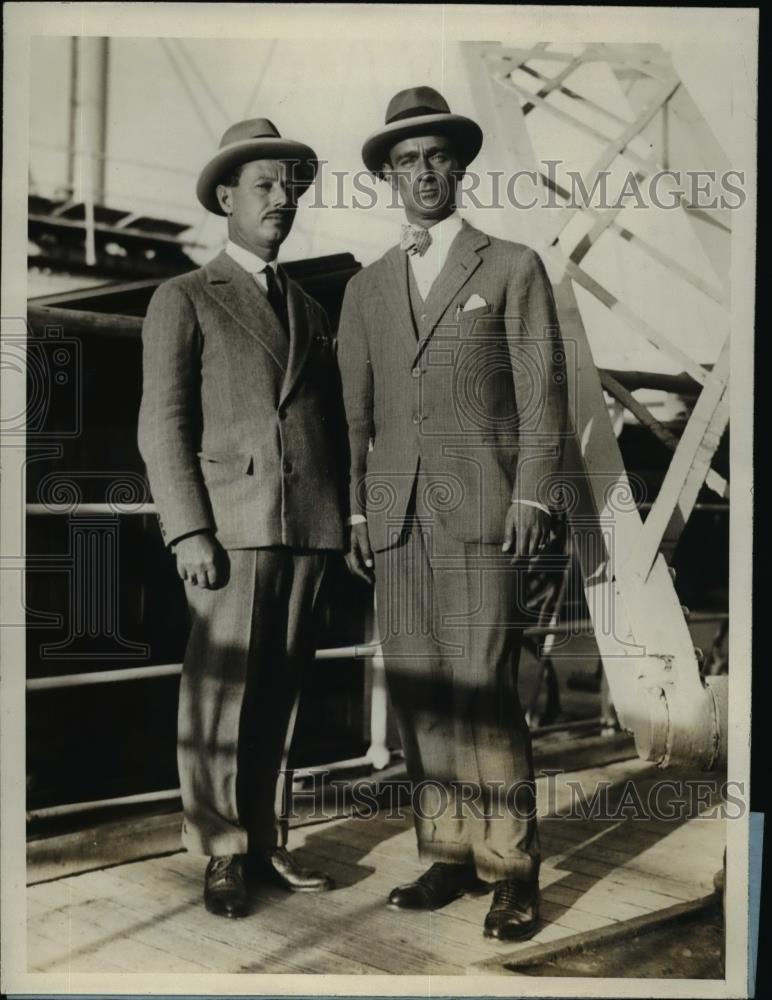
(438, 886)
(278, 867)
(225, 893)
(514, 910)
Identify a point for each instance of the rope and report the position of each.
(186, 87)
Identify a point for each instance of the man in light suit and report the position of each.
(239, 427)
(454, 389)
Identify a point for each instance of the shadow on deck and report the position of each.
(147, 916)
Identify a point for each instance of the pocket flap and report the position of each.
(244, 463)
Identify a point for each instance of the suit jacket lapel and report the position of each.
(238, 293)
(462, 261)
(299, 335)
(396, 295)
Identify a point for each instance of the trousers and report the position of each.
(451, 636)
(251, 641)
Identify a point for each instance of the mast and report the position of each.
(87, 138)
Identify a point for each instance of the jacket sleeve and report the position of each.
(539, 372)
(169, 428)
(337, 415)
(357, 380)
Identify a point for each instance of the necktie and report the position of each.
(415, 239)
(275, 297)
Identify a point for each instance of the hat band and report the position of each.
(422, 109)
(249, 138)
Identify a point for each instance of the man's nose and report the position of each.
(423, 165)
(280, 196)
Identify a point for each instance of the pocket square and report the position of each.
(474, 302)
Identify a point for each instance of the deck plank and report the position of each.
(148, 915)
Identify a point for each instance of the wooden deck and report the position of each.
(147, 916)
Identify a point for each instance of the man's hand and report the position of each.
(527, 528)
(200, 561)
(359, 557)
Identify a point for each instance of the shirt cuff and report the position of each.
(356, 519)
(188, 534)
(534, 503)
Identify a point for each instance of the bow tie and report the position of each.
(415, 239)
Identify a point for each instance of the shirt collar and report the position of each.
(446, 231)
(251, 262)
(442, 233)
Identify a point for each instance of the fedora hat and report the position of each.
(420, 111)
(253, 139)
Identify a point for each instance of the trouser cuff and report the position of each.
(497, 869)
(213, 845)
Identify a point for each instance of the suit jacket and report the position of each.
(239, 426)
(467, 407)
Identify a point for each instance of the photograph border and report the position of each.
(737, 30)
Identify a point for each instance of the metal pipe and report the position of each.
(103, 677)
(37, 509)
(72, 124)
(559, 727)
(336, 765)
(361, 651)
(378, 752)
(171, 670)
(112, 228)
(91, 72)
(358, 652)
(47, 316)
(70, 808)
(639, 411)
(682, 385)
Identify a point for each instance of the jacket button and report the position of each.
(416, 373)
(287, 467)
(417, 418)
(282, 414)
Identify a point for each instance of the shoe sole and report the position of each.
(527, 932)
(277, 883)
(508, 937)
(228, 914)
(430, 909)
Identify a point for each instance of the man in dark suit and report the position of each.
(239, 429)
(454, 388)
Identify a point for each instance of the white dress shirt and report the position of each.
(252, 263)
(425, 271)
(427, 268)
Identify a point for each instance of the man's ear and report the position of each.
(224, 197)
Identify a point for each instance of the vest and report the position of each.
(417, 304)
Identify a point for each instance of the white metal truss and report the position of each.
(675, 714)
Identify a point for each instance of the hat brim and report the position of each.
(466, 133)
(236, 153)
